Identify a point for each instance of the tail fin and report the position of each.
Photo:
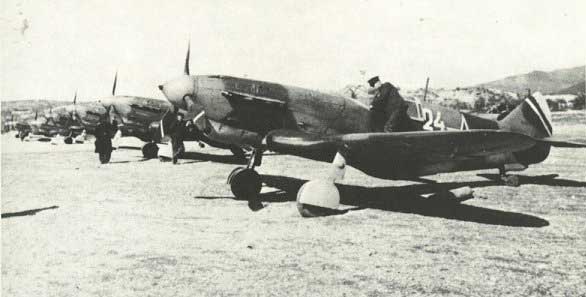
(532, 117)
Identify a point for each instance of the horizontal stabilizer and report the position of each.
(558, 141)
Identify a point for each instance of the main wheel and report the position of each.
(105, 157)
(68, 140)
(150, 150)
(245, 183)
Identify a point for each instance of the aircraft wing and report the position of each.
(430, 146)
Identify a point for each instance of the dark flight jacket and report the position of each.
(388, 109)
(104, 132)
(178, 130)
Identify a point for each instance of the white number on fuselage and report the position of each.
(430, 123)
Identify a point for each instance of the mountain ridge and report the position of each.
(548, 82)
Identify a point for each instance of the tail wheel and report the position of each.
(512, 180)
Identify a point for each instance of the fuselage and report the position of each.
(136, 115)
(264, 106)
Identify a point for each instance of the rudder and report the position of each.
(532, 117)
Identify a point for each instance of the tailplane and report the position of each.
(562, 142)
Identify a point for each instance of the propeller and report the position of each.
(425, 92)
(186, 68)
(74, 115)
(114, 85)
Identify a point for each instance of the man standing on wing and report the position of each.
(388, 111)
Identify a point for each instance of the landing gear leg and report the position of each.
(246, 183)
(509, 180)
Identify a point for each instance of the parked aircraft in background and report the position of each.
(140, 117)
(146, 119)
(57, 121)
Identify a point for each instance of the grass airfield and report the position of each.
(134, 227)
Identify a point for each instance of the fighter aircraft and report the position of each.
(53, 122)
(140, 117)
(147, 120)
(331, 128)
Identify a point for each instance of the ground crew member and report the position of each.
(104, 131)
(388, 111)
(177, 131)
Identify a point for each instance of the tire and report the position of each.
(150, 150)
(245, 184)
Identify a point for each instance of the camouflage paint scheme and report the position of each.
(292, 120)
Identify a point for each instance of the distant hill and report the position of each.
(576, 89)
(478, 99)
(552, 82)
(26, 105)
(23, 109)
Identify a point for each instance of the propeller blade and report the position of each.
(186, 68)
(75, 98)
(114, 86)
(425, 92)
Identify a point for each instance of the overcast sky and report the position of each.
(51, 48)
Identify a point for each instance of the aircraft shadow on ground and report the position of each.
(199, 157)
(408, 199)
(546, 180)
(30, 212)
(132, 148)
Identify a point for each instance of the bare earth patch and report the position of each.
(73, 227)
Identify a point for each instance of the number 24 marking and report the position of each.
(432, 124)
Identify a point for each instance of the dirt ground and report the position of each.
(73, 227)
